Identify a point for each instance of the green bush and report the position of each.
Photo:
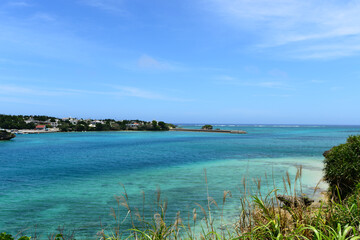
(5, 236)
(207, 127)
(342, 167)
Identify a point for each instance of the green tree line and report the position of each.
(14, 122)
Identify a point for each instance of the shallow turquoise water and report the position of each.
(70, 179)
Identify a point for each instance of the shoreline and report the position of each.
(28, 131)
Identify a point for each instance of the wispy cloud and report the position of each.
(27, 36)
(41, 33)
(106, 5)
(152, 64)
(274, 95)
(22, 101)
(228, 80)
(318, 29)
(141, 93)
(43, 17)
(336, 88)
(147, 62)
(7, 61)
(6, 89)
(112, 91)
(268, 84)
(317, 81)
(137, 92)
(278, 73)
(18, 4)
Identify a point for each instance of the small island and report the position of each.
(208, 128)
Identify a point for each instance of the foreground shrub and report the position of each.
(5, 236)
(342, 167)
(346, 212)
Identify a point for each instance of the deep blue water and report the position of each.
(70, 179)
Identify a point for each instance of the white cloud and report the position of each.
(319, 29)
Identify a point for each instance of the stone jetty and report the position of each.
(207, 130)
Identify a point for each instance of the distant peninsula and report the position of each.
(29, 124)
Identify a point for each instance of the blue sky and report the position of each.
(214, 61)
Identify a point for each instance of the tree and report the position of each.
(30, 125)
(64, 127)
(155, 125)
(207, 127)
(163, 126)
(81, 126)
(342, 167)
(115, 126)
(99, 127)
(14, 122)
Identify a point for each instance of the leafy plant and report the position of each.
(342, 167)
(5, 236)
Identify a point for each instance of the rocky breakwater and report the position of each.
(4, 135)
(207, 130)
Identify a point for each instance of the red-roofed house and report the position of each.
(41, 127)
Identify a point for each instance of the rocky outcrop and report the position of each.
(290, 201)
(4, 135)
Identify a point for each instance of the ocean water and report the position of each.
(70, 179)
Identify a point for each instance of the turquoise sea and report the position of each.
(70, 179)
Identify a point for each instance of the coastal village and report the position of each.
(43, 124)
